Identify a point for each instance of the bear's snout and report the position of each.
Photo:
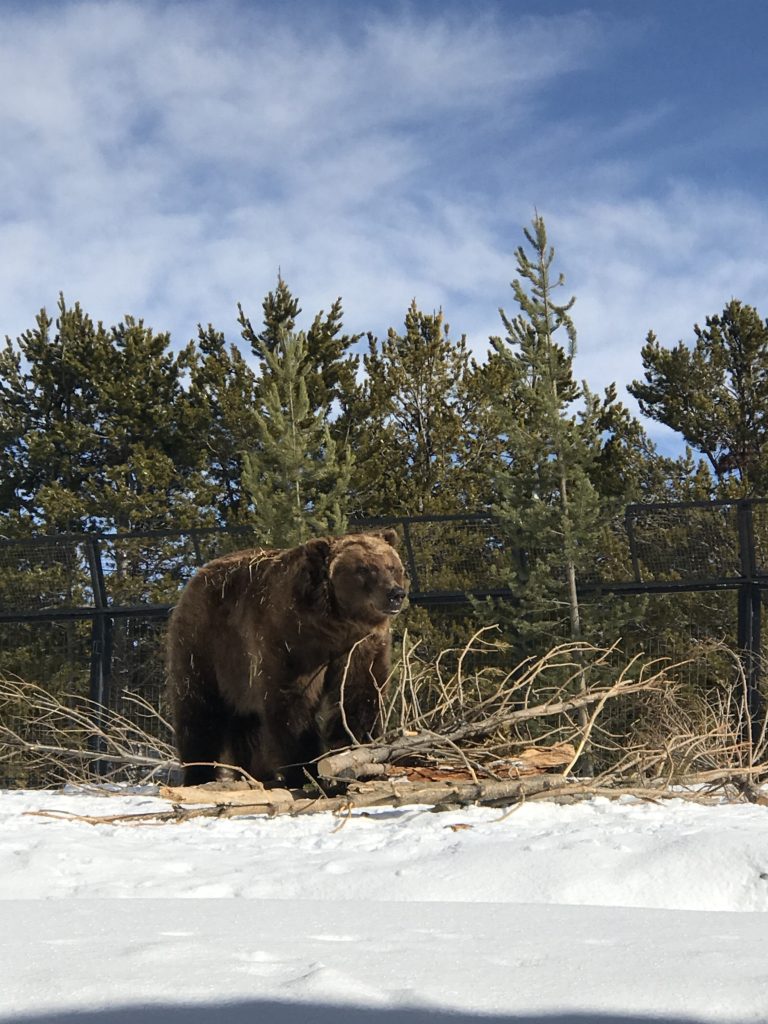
(395, 599)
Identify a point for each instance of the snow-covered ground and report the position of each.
(600, 911)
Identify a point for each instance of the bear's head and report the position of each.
(366, 579)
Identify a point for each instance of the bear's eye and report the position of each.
(363, 570)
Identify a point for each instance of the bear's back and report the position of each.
(226, 587)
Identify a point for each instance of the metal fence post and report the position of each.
(750, 616)
(101, 641)
(629, 526)
(195, 537)
(412, 570)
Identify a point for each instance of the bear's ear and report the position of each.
(315, 555)
(317, 551)
(390, 536)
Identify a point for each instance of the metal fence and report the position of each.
(86, 613)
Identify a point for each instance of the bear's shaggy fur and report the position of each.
(263, 642)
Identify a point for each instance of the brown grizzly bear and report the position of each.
(263, 642)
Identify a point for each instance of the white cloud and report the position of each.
(163, 156)
(655, 264)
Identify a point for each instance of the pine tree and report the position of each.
(280, 311)
(412, 438)
(11, 434)
(297, 477)
(630, 469)
(333, 371)
(48, 395)
(715, 394)
(547, 500)
(99, 427)
(330, 370)
(223, 391)
(484, 413)
(152, 455)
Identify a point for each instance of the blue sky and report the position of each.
(164, 159)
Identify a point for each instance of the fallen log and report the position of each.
(438, 796)
(392, 792)
(361, 795)
(248, 794)
(356, 763)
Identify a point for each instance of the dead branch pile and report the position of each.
(639, 718)
(48, 740)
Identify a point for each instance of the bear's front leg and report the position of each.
(351, 710)
(288, 741)
(200, 725)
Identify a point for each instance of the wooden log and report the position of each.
(237, 796)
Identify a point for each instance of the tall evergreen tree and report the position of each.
(223, 392)
(485, 441)
(280, 311)
(333, 377)
(151, 456)
(547, 500)
(99, 427)
(629, 467)
(330, 368)
(715, 393)
(411, 443)
(297, 477)
(49, 404)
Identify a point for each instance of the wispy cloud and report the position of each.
(159, 157)
(659, 264)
